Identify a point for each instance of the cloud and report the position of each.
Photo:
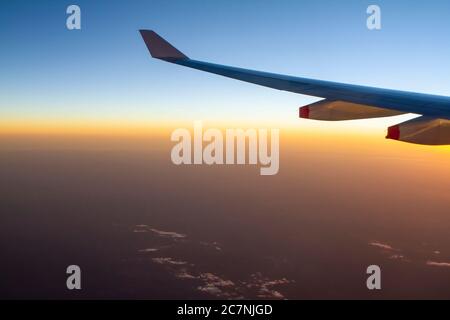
(393, 253)
(168, 260)
(398, 257)
(168, 234)
(269, 294)
(148, 250)
(383, 246)
(264, 286)
(217, 286)
(221, 287)
(438, 264)
(183, 274)
(211, 290)
(208, 282)
(213, 280)
(396, 254)
(139, 231)
(214, 245)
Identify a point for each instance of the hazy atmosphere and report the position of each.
(86, 176)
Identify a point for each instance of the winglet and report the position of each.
(160, 48)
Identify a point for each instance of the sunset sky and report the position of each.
(86, 176)
(102, 77)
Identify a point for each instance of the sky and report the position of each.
(103, 73)
(344, 197)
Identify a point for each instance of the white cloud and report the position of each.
(383, 246)
(148, 250)
(168, 234)
(217, 286)
(264, 286)
(183, 274)
(398, 257)
(438, 264)
(208, 282)
(139, 231)
(161, 233)
(168, 260)
(212, 279)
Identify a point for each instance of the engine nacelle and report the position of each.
(422, 130)
(331, 110)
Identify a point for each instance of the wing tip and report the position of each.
(159, 48)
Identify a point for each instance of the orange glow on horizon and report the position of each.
(325, 136)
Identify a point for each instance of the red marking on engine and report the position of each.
(304, 112)
(393, 133)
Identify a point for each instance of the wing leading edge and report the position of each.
(364, 102)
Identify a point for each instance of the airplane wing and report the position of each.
(341, 101)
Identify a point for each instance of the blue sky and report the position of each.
(104, 70)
